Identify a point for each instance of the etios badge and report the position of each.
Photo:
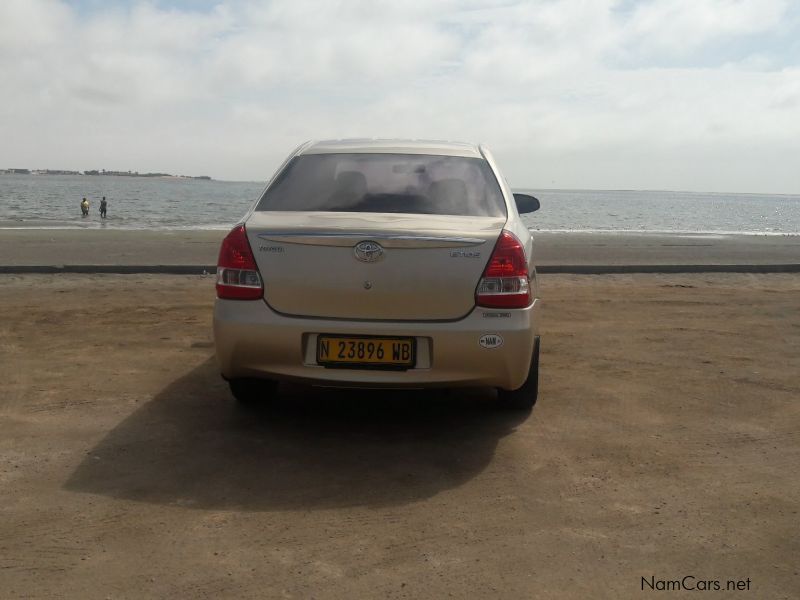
(491, 340)
(368, 251)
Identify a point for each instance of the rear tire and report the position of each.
(524, 397)
(253, 392)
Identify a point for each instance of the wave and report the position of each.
(686, 232)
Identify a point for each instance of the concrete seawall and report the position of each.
(192, 252)
(547, 269)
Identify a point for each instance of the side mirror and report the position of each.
(526, 203)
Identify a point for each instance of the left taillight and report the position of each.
(237, 274)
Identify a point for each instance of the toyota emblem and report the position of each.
(368, 251)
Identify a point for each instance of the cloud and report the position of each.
(555, 87)
(681, 25)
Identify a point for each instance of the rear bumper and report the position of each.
(252, 340)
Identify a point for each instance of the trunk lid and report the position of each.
(427, 266)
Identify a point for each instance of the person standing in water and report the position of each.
(84, 207)
(103, 207)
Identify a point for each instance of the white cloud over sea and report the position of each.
(660, 94)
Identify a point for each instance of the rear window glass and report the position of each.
(386, 183)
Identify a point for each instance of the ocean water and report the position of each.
(52, 201)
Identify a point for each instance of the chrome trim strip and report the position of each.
(351, 238)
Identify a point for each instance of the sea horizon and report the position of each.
(180, 204)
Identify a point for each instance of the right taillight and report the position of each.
(237, 274)
(505, 282)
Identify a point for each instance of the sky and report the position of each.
(700, 95)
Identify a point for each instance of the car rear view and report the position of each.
(380, 264)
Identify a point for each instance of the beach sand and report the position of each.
(665, 443)
(43, 247)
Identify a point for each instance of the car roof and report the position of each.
(391, 146)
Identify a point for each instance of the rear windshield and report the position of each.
(386, 183)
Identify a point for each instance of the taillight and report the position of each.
(505, 282)
(237, 274)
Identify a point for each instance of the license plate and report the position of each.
(366, 351)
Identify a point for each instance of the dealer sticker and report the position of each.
(491, 340)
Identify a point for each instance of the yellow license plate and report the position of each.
(366, 351)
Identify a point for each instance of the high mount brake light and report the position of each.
(505, 282)
(237, 274)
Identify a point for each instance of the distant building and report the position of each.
(55, 172)
(96, 172)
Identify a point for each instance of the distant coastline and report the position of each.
(101, 173)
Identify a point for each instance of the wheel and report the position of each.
(252, 392)
(524, 397)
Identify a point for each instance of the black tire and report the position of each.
(524, 397)
(253, 392)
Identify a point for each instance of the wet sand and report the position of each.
(665, 443)
(32, 247)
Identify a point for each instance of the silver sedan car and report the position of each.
(381, 263)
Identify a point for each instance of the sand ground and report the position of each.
(665, 444)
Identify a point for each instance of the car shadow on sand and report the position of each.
(193, 446)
